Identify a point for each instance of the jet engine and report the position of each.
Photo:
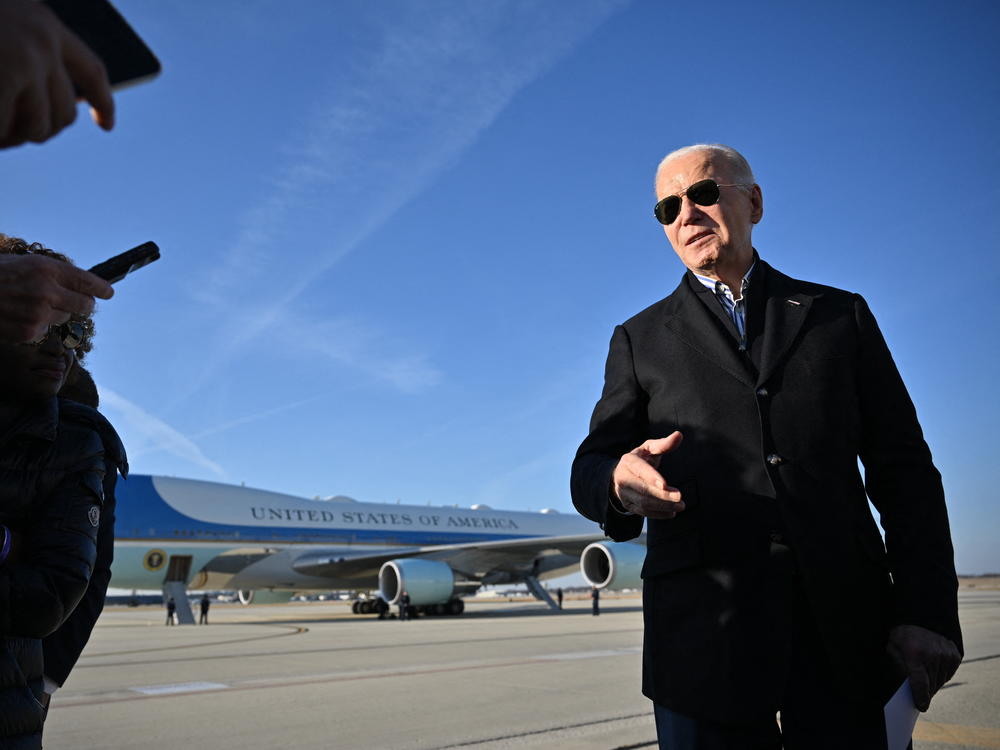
(426, 581)
(614, 565)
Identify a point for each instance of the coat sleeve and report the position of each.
(617, 426)
(63, 647)
(905, 488)
(56, 552)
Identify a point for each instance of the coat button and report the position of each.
(774, 459)
(762, 392)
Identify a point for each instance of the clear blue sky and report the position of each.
(396, 236)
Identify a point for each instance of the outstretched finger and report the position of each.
(641, 502)
(91, 79)
(62, 102)
(641, 475)
(77, 280)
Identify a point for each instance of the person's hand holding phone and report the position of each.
(43, 67)
(37, 292)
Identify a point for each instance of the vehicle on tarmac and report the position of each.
(189, 534)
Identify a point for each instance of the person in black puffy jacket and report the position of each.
(63, 647)
(52, 467)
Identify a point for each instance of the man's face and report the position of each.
(710, 238)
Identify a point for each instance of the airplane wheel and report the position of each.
(355, 607)
(365, 608)
(456, 607)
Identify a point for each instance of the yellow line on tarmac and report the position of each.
(957, 734)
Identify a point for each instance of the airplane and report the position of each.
(178, 534)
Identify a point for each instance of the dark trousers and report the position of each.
(815, 713)
(825, 730)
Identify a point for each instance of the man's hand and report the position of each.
(638, 485)
(36, 292)
(42, 67)
(929, 660)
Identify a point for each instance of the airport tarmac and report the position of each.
(504, 675)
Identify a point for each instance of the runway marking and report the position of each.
(980, 658)
(330, 677)
(592, 654)
(957, 734)
(331, 650)
(550, 730)
(293, 630)
(180, 687)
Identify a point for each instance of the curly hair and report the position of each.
(16, 246)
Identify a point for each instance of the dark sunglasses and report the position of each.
(70, 333)
(703, 192)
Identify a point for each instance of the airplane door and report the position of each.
(179, 569)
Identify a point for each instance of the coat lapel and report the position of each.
(690, 320)
(786, 310)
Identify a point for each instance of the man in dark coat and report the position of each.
(204, 604)
(404, 606)
(733, 416)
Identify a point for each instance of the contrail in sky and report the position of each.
(380, 135)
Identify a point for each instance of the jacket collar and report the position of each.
(785, 308)
(696, 324)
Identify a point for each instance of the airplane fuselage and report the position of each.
(236, 537)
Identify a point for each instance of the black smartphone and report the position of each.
(97, 22)
(117, 268)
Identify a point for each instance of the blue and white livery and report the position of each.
(196, 534)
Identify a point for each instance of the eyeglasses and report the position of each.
(70, 333)
(703, 192)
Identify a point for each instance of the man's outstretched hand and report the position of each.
(43, 67)
(929, 660)
(639, 486)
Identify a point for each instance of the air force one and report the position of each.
(177, 534)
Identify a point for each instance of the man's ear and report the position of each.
(757, 203)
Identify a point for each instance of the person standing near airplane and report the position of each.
(733, 416)
(203, 615)
(52, 464)
(404, 606)
(595, 596)
(171, 610)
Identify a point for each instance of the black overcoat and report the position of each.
(772, 438)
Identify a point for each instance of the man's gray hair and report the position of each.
(741, 172)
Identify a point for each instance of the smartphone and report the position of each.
(117, 268)
(127, 58)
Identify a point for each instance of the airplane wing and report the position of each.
(484, 561)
